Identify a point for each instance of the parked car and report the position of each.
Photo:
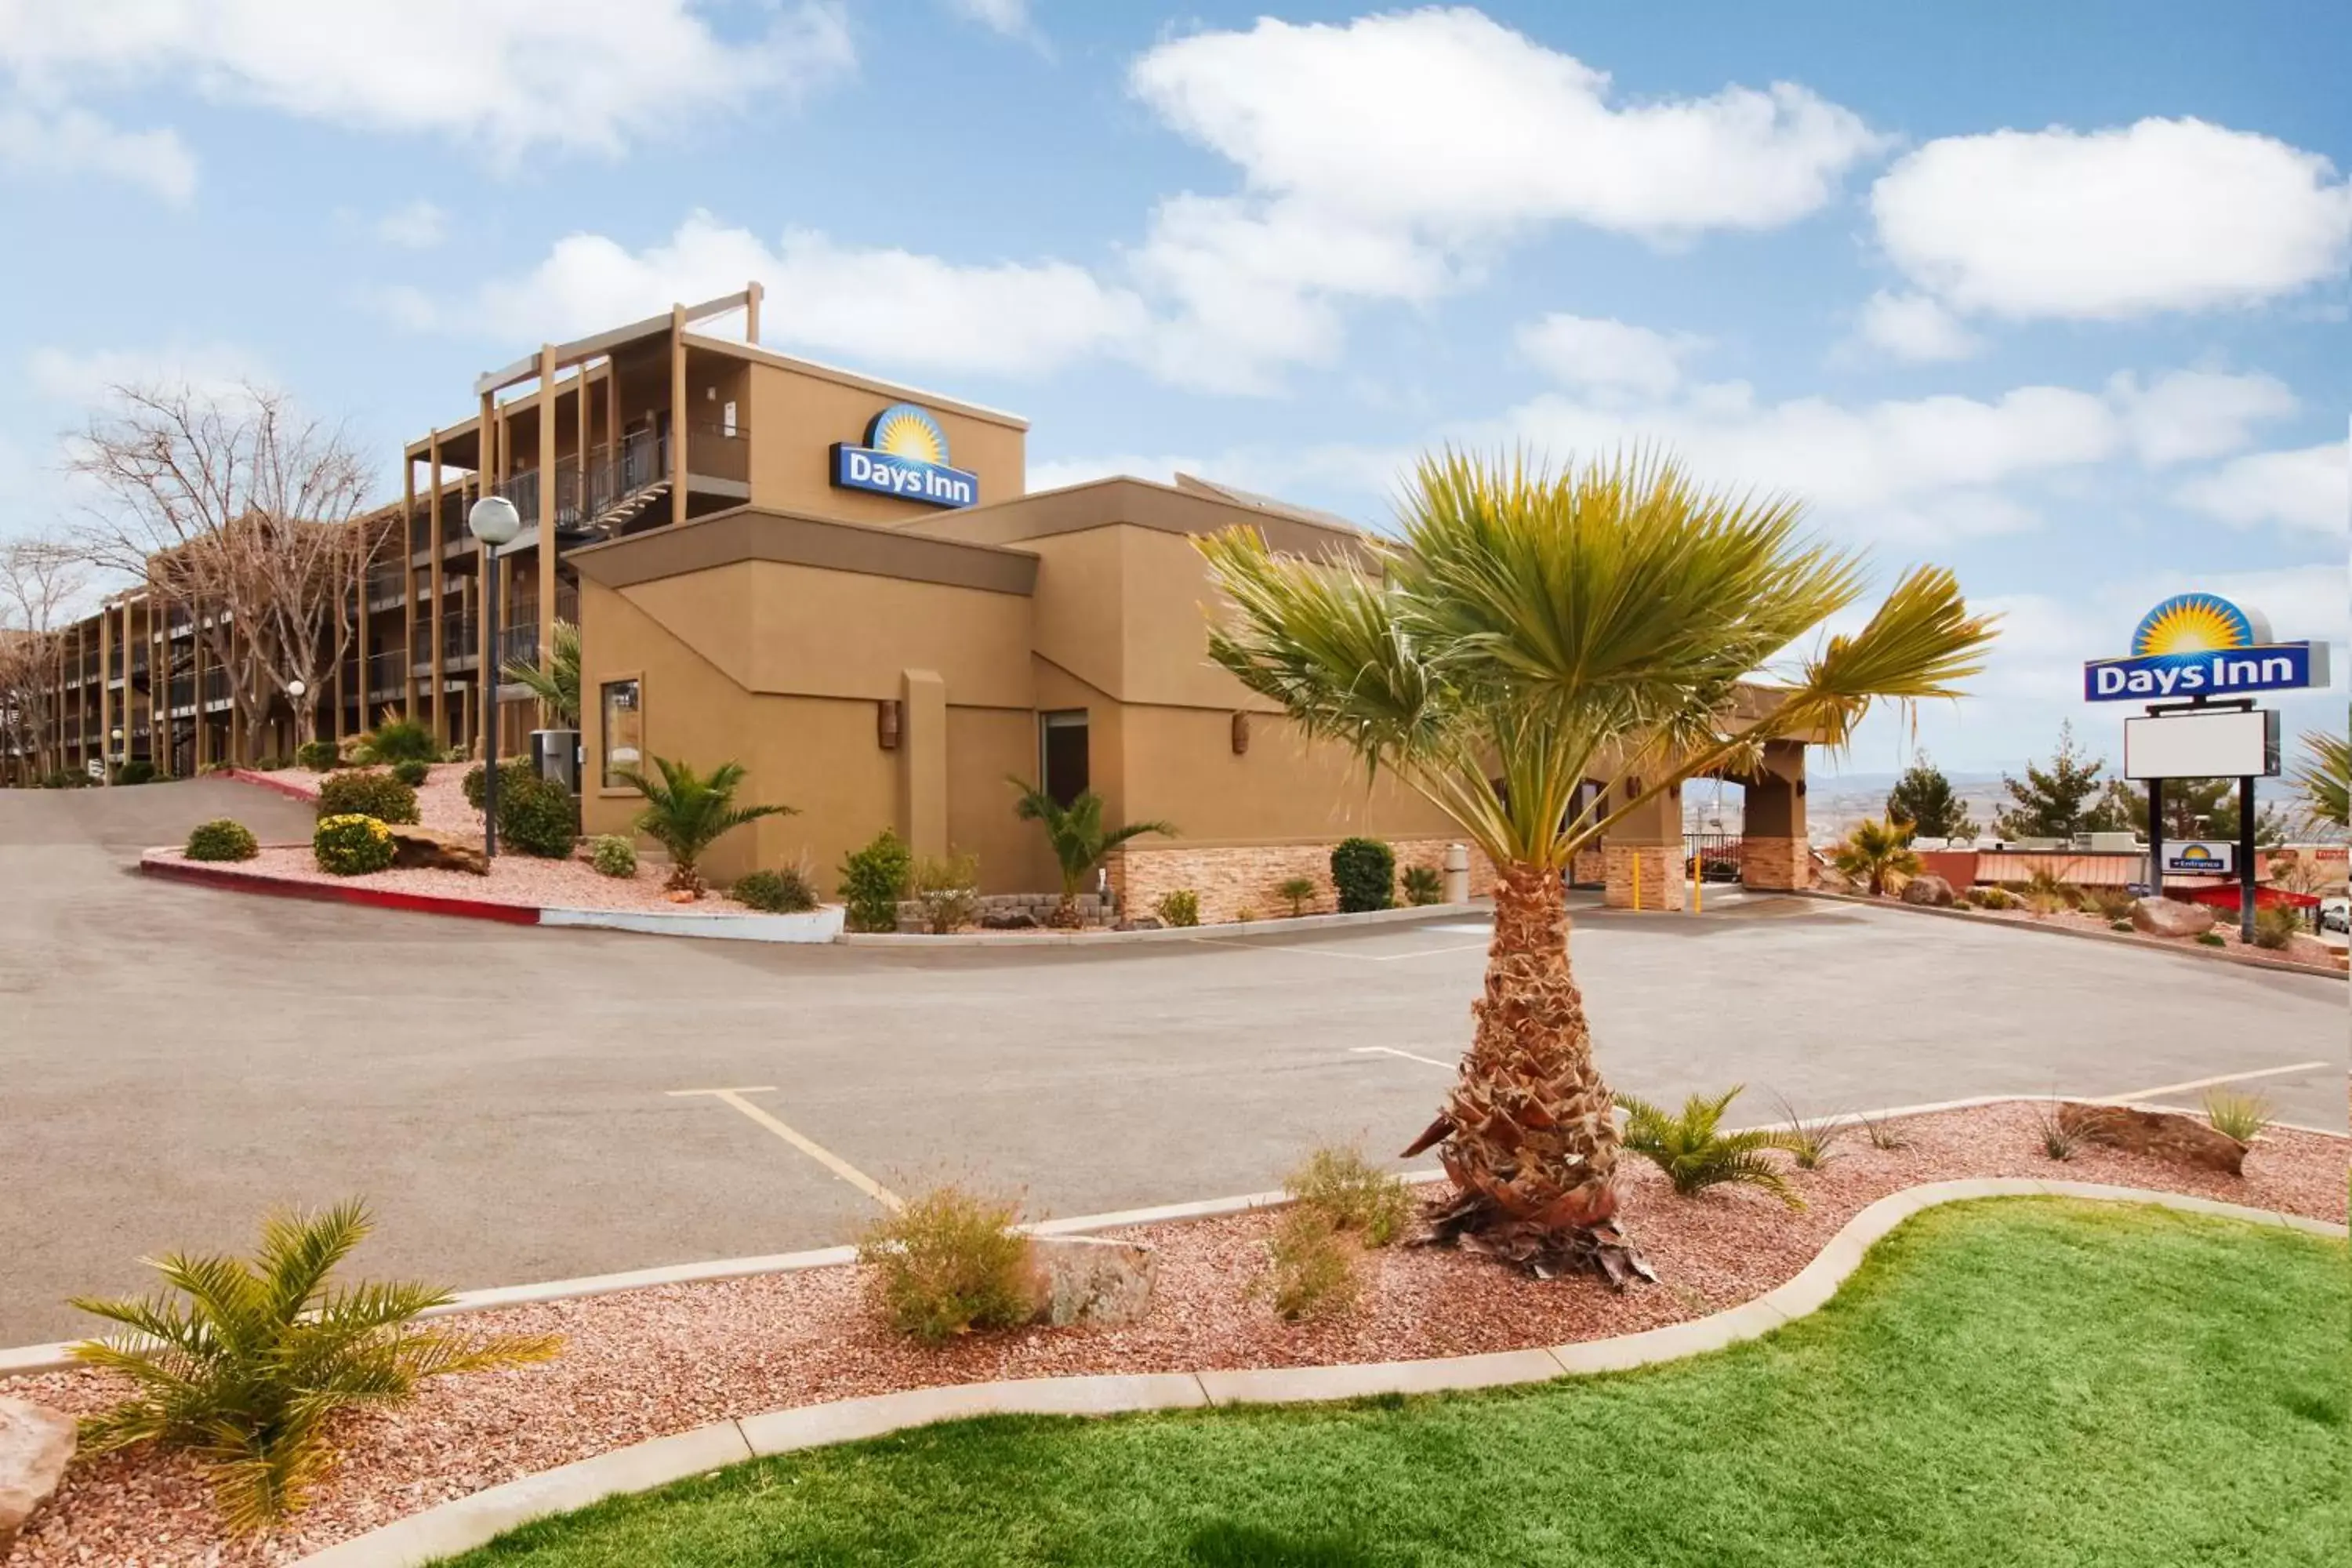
(2336, 914)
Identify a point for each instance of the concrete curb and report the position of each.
(467, 1523)
(277, 786)
(2204, 955)
(1232, 930)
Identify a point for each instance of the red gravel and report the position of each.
(646, 1363)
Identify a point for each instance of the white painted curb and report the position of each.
(1226, 932)
(821, 925)
(471, 1521)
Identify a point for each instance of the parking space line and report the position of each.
(2220, 1078)
(1392, 1051)
(813, 1149)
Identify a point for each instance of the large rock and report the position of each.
(2169, 916)
(2161, 1134)
(1929, 889)
(1090, 1280)
(428, 850)
(34, 1444)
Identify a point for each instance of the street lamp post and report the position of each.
(494, 521)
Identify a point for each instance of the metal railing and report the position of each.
(461, 637)
(387, 581)
(717, 452)
(387, 670)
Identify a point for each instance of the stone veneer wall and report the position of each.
(1234, 878)
(1662, 875)
(1779, 865)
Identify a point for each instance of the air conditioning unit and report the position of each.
(2113, 844)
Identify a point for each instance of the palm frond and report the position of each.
(1695, 1154)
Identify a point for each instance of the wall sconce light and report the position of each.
(1632, 786)
(886, 723)
(1240, 734)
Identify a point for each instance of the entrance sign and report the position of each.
(2202, 743)
(2202, 645)
(904, 455)
(2201, 858)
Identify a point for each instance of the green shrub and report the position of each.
(1297, 889)
(1311, 1267)
(612, 855)
(2059, 1141)
(403, 740)
(537, 816)
(1180, 908)
(873, 880)
(412, 772)
(1352, 1194)
(2111, 903)
(2244, 1117)
(1423, 885)
(1812, 1144)
(946, 1263)
(2275, 929)
(138, 771)
(272, 763)
(222, 839)
(687, 812)
(351, 792)
(2212, 939)
(319, 756)
(1884, 1132)
(948, 887)
(1695, 1153)
(2121, 925)
(509, 770)
(1363, 872)
(249, 1366)
(351, 845)
(785, 893)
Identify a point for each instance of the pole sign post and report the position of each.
(2195, 662)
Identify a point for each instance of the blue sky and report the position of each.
(2056, 296)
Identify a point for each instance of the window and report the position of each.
(1062, 754)
(623, 707)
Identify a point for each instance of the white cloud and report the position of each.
(419, 226)
(1008, 17)
(79, 381)
(1914, 327)
(2185, 415)
(1054, 473)
(72, 141)
(2310, 490)
(509, 76)
(2164, 215)
(1583, 350)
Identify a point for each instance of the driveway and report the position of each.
(175, 1060)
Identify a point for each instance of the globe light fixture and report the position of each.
(494, 521)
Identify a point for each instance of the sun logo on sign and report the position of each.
(2195, 852)
(2193, 623)
(903, 430)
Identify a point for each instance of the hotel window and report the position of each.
(1062, 754)
(623, 706)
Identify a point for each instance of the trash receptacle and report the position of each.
(555, 754)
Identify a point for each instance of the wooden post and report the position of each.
(752, 294)
(360, 633)
(106, 690)
(407, 586)
(433, 558)
(677, 414)
(486, 705)
(547, 466)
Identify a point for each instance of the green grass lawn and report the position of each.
(2019, 1381)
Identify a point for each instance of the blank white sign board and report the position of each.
(2223, 743)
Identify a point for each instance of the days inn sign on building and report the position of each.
(904, 455)
(2202, 645)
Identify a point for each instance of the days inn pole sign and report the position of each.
(2202, 645)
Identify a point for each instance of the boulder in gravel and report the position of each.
(2160, 1134)
(34, 1444)
(2170, 916)
(1140, 922)
(1016, 920)
(427, 849)
(1930, 891)
(1090, 1280)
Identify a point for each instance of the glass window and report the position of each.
(625, 729)
(1062, 761)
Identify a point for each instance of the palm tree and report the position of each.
(1552, 627)
(248, 1369)
(686, 813)
(557, 686)
(1077, 838)
(1876, 849)
(2324, 778)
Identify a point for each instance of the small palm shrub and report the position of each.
(612, 855)
(1297, 889)
(945, 1263)
(1310, 1267)
(1363, 873)
(1352, 1194)
(1695, 1153)
(948, 887)
(785, 893)
(509, 770)
(138, 771)
(245, 1361)
(412, 772)
(319, 756)
(222, 839)
(2244, 1117)
(1812, 1144)
(351, 845)
(1075, 835)
(403, 740)
(1423, 885)
(1180, 908)
(2275, 929)
(354, 794)
(539, 816)
(687, 812)
(1875, 851)
(873, 880)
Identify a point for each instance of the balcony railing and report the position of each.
(387, 583)
(387, 671)
(183, 691)
(718, 452)
(461, 637)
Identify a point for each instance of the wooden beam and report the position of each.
(433, 632)
(493, 428)
(752, 297)
(677, 414)
(546, 475)
(408, 588)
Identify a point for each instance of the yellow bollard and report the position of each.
(1698, 887)
(1637, 881)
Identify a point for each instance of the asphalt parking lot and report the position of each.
(515, 1102)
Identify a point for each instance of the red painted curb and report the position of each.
(292, 792)
(327, 894)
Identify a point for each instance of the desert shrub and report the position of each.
(351, 845)
(249, 1360)
(2275, 929)
(2048, 893)
(354, 793)
(1695, 1153)
(1423, 885)
(1884, 1132)
(946, 1263)
(785, 893)
(873, 880)
(1311, 1267)
(948, 887)
(2108, 904)
(1352, 1193)
(1812, 1144)
(222, 839)
(1245, 914)
(319, 756)
(1992, 897)
(2212, 939)
(509, 770)
(403, 740)
(412, 772)
(1297, 889)
(1180, 908)
(2121, 925)
(136, 772)
(272, 763)
(1363, 873)
(537, 816)
(2244, 1117)
(2059, 1141)
(612, 855)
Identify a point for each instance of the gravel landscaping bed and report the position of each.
(2302, 949)
(646, 1363)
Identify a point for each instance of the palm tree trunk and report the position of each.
(1526, 1133)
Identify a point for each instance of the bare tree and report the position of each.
(42, 583)
(235, 503)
